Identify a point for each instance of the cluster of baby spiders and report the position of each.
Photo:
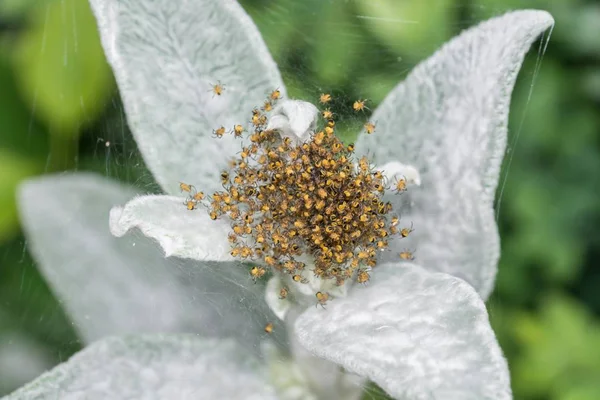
(289, 200)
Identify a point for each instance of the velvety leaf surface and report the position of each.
(166, 56)
(153, 367)
(449, 119)
(113, 285)
(179, 231)
(417, 334)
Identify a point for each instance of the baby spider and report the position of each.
(283, 293)
(275, 94)
(224, 177)
(400, 185)
(198, 196)
(363, 276)
(327, 114)
(299, 278)
(269, 327)
(359, 105)
(325, 98)
(369, 127)
(190, 204)
(407, 255)
(257, 273)
(238, 130)
(219, 132)
(186, 187)
(404, 232)
(268, 106)
(322, 298)
(217, 89)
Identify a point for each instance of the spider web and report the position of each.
(349, 48)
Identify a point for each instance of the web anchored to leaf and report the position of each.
(291, 203)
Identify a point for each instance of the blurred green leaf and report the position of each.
(19, 132)
(550, 193)
(297, 90)
(583, 29)
(411, 27)
(591, 83)
(60, 66)
(560, 347)
(582, 391)
(277, 24)
(16, 8)
(540, 238)
(335, 35)
(13, 169)
(377, 86)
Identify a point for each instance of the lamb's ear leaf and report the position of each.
(166, 56)
(159, 367)
(449, 120)
(417, 334)
(111, 286)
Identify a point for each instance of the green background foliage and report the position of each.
(59, 110)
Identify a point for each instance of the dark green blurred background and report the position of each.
(59, 110)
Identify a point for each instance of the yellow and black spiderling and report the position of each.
(217, 89)
(269, 327)
(369, 127)
(359, 105)
(406, 255)
(283, 293)
(322, 298)
(324, 98)
(219, 132)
